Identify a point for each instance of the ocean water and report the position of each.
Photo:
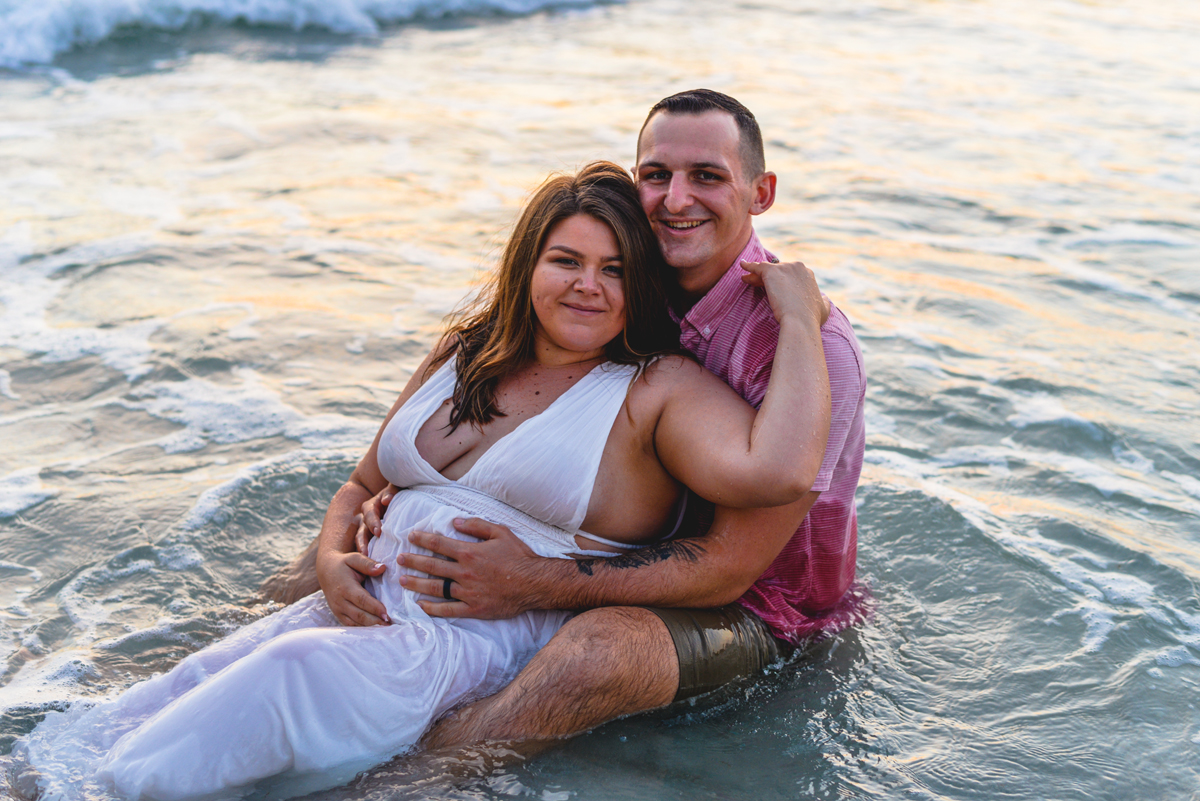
(229, 232)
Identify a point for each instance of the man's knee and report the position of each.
(603, 664)
(624, 652)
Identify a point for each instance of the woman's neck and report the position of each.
(564, 361)
(551, 356)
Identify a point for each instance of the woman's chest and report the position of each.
(453, 451)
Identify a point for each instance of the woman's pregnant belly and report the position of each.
(409, 511)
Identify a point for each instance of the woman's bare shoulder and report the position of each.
(668, 377)
(671, 368)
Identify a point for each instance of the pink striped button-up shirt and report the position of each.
(733, 333)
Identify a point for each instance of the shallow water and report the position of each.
(223, 250)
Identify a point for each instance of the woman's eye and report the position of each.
(614, 269)
(565, 260)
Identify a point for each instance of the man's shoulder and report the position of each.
(842, 351)
(749, 318)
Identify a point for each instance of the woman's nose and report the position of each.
(588, 281)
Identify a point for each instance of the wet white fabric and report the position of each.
(295, 693)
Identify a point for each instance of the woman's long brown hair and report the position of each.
(494, 335)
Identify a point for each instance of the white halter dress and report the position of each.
(298, 696)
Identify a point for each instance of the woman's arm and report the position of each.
(711, 440)
(341, 569)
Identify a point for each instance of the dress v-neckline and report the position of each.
(499, 441)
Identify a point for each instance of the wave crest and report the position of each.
(35, 31)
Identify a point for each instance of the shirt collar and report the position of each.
(711, 308)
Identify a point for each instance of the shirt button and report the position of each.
(707, 330)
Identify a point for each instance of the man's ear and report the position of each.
(764, 193)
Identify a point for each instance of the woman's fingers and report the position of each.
(362, 537)
(370, 520)
(356, 607)
(350, 603)
(753, 274)
(791, 288)
(364, 565)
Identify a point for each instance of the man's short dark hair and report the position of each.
(698, 101)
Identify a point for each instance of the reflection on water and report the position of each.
(222, 252)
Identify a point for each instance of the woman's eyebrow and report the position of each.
(577, 254)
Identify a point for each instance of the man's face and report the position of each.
(696, 193)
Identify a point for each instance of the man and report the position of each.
(661, 619)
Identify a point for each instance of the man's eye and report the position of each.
(708, 176)
(657, 175)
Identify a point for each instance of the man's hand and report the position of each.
(342, 576)
(791, 289)
(371, 522)
(491, 578)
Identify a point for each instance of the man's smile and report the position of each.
(682, 225)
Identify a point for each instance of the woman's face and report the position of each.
(576, 290)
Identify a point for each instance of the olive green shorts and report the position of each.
(717, 646)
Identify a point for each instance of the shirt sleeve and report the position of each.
(846, 386)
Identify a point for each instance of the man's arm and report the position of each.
(500, 576)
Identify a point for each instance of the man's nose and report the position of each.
(679, 195)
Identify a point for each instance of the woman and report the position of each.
(558, 409)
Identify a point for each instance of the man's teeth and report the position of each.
(682, 226)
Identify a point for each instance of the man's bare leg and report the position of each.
(601, 665)
(294, 581)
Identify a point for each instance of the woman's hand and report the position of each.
(342, 576)
(791, 290)
(371, 522)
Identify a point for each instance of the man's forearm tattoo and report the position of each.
(688, 550)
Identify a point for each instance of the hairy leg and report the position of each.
(294, 581)
(603, 664)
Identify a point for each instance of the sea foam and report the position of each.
(35, 31)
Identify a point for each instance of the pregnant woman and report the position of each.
(560, 409)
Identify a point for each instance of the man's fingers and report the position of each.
(444, 608)
(435, 542)
(433, 587)
(429, 565)
(480, 528)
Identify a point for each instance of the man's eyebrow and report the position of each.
(698, 165)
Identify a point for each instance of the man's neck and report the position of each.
(693, 283)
